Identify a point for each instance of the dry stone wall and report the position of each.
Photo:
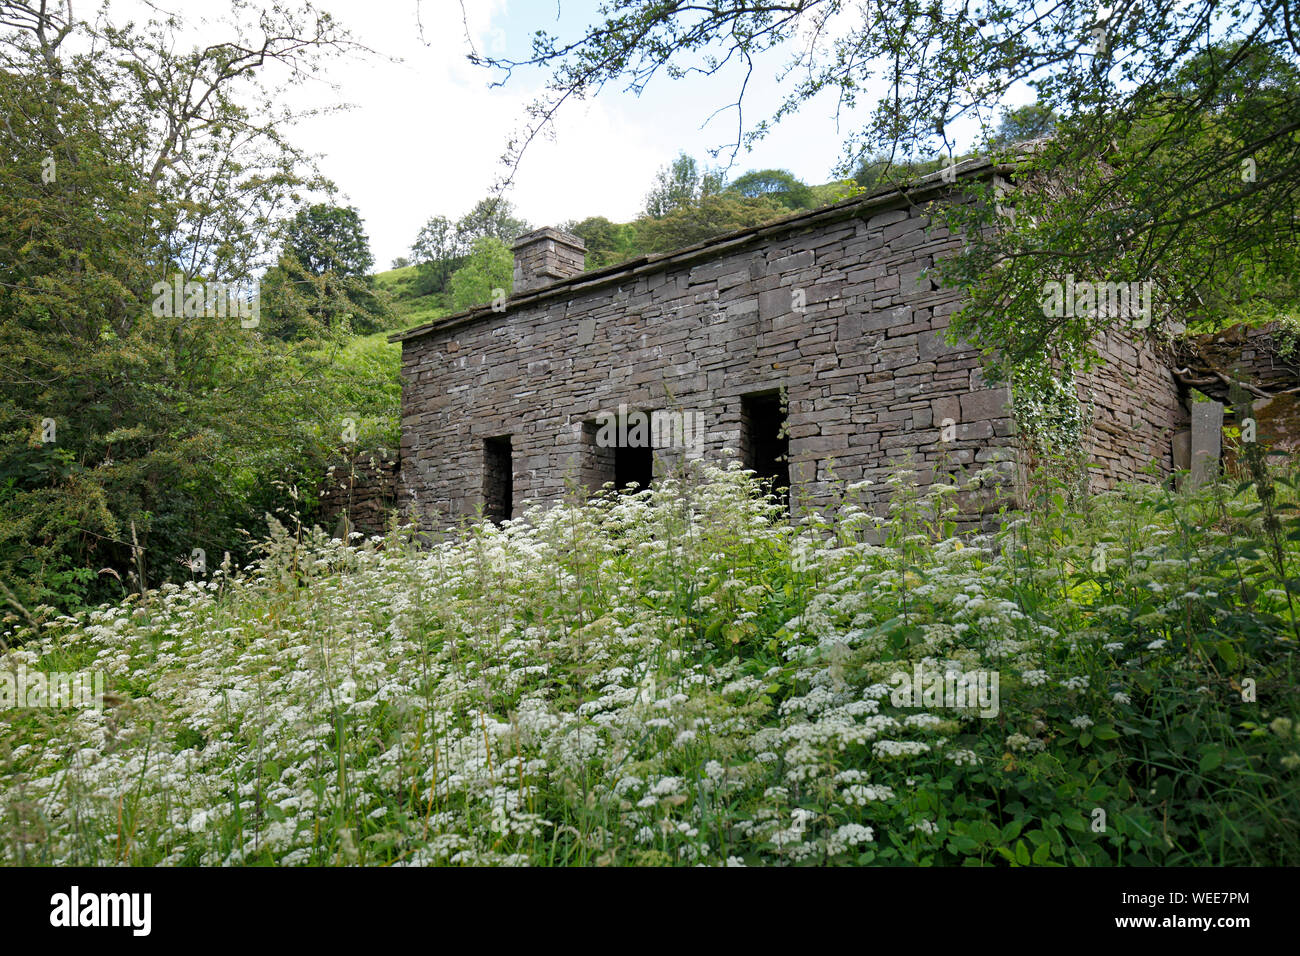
(359, 495)
(1265, 361)
(1136, 410)
(834, 310)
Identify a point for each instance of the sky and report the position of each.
(427, 134)
(426, 128)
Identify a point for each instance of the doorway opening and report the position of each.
(498, 479)
(764, 443)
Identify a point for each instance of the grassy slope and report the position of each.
(414, 310)
(411, 309)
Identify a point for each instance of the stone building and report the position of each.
(811, 347)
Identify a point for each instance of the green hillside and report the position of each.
(409, 308)
(700, 210)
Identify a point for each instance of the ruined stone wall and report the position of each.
(1135, 407)
(1265, 362)
(363, 492)
(835, 310)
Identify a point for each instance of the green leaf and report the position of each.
(1227, 653)
(960, 844)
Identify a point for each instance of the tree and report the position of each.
(326, 258)
(442, 245)
(438, 251)
(1024, 124)
(777, 184)
(607, 242)
(297, 304)
(878, 172)
(1192, 204)
(322, 284)
(329, 239)
(134, 428)
(710, 216)
(488, 273)
(680, 184)
(1127, 84)
(492, 217)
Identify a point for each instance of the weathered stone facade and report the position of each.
(1265, 362)
(1137, 412)
(832, 307)
(826, 320)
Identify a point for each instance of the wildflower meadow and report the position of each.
(685, 676)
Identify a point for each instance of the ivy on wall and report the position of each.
(1051, 423)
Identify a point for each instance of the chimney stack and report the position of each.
(545, 256)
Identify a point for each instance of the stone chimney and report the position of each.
(545, 256)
